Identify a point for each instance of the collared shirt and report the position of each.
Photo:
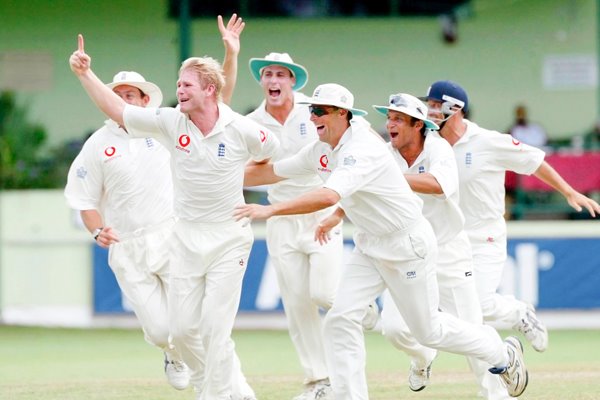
(127, 181)
(297, 131)
(441, 210)
(483, 157)
(208, 171)
(374, 193)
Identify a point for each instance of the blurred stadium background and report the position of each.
(541, 53)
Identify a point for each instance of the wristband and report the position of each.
(96, 232)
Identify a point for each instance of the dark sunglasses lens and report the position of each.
(318, 111)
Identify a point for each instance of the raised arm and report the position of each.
(231, 40)
(106, 100)
(549, 175)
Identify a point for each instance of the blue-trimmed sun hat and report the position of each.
(332, 94)
(298, 71)
(132, 78)
(409, 105)
(448, 91)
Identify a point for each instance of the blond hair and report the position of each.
(209, 71)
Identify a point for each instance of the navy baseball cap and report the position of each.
(447, 91)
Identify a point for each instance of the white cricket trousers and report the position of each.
(140, 262)
(404, 262)
(489, 258)
(458, 296)
(308, 275)
(209, 261)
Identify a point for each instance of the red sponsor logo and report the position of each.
(184, 140)
(263, 136)
(490, 239)
(324, 161)
(516, 142)
(110, 151)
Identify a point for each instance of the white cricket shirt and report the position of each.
(297, 131)
(374, 193)
(483, 157)
(127, 181)
(208, 171)
(442, 211)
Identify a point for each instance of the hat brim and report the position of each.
(356, 112)
(428, 123)
(300, 73)
(149, 88)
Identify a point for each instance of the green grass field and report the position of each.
(102, 364)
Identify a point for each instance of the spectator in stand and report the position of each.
(528, 132)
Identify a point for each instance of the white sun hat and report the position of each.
(134, 79)
(282, 59)
(409, 105)
(332, 94)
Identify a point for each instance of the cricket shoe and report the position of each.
(320, 390)
(515, 374)
(418, 378)
(178, 374)
(533, 329)
(371, 317)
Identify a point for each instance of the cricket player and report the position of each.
(209, 146)
(429, 166)
(483, 156)
(307, 273)
(395, 246)
(124, 194)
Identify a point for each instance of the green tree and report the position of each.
(22, 162)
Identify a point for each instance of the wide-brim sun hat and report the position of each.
(332, 94)
(409, 105)
(134, 79)
(283, 59)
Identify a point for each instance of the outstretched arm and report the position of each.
(575, 199)
(262, 173)
(312, 201)
(231, 40)
(106, 100)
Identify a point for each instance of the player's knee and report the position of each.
(323, 300)
(393, 332)
(157, 335)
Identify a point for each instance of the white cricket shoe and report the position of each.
(533, 329)
(178, 374)
(371, 317)
(515, 374)
(418, 378)
(320, 390)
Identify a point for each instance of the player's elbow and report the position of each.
(330, 198)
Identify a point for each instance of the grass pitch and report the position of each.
(103, 364)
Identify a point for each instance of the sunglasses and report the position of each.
(398, 101)
(319, 111)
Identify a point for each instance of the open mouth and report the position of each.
(320, 129)
(393, 134)
(274, 92)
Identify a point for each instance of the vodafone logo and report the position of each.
(263, 136)
(110, 151)
(324, 161)
(184, 140)
(516, 142)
